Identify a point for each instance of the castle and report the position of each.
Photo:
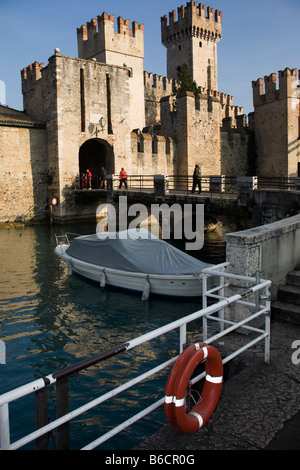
(103, 109)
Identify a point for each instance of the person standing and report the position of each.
(123, 178)
(103, 177)
(196, 179)
(89, 178)
(83, 181)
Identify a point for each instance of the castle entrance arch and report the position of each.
(94, 154)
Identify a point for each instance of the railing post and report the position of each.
(245, 187)
(182, 336)
(159, 185)
(41, 417)
(62, 408)
(268, 327)
(216, 183)
(222, 293)
(257, 294)
(4, 427)
(110, 183)
(204, 305)
(297, 183)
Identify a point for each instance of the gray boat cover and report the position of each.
(134, 251)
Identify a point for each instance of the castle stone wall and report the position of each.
(195, 127)
(234, 150)
(24, 175)
(152, 154)
(156, 87)
(71, 96)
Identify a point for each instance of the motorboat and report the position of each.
(135, 260)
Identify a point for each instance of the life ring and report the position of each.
(177, 384)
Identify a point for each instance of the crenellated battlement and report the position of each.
(33, 71)
(158, 87)
(86, 32)
(98, 41)
(202, 22)
(159, 83)
(30, 75)
(265, 89)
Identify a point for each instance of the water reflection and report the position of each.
(49, 320)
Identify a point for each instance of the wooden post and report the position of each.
(41, 417)
(62, 408)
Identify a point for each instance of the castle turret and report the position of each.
(97, 40)
(30, 75)
(277, 117)
(193, 39)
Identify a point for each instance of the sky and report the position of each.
(260, 37)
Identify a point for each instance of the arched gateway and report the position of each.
(94, 154)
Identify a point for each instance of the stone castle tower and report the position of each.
(277, 123)
(125, 48)
(192, 38)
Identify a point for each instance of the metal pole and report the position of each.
(257, 295)
(222, 293)
(268, 327)
(182, 330)
(204, 305)
(4, 427)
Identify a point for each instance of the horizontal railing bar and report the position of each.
(217, 267)
(88, 406)
(90, 361)
(209, 293)
(231, 356)
(26, 389)
(194, 316)
(245, 347)
(223, 320)
(226, 185)
(233, 276)
(124, 425)
(235, 326)
(240, 302)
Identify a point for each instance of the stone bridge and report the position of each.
(269, 199)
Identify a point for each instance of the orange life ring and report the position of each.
(177, 384)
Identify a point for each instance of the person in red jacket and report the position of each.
(89, 177)
(123, 178)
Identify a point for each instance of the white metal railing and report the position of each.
(65, 238)
(259, 305)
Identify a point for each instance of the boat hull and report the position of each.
(167, 285)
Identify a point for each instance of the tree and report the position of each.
(186, 82)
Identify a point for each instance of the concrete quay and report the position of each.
(259, 406)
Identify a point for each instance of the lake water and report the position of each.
(49, 320)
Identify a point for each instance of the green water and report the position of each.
(49, 320)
